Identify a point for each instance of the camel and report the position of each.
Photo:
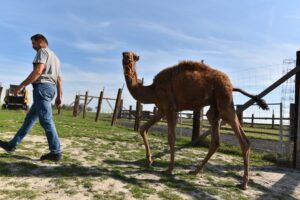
(189, 86)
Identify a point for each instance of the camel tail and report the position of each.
(261, 103)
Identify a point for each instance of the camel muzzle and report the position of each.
(130, 56)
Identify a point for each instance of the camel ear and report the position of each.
(136, 58)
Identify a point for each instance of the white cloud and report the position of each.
(243, 53)
(91, 77)
(292, 17)
(13, 71)
(77, 80)
(93, 47)
(170, 32)
(8, 25)
(104, 59)
(88, 25)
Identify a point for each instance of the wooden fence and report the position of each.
(87, 99)
(188, 120)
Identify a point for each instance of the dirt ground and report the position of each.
(39, 182)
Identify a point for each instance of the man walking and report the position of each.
(44, 77)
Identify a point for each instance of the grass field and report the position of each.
(261, 131)
(104, 162)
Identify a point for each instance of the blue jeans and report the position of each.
(41, 109)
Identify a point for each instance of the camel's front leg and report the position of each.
(144, 133)
(172, 119)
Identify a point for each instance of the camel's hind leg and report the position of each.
(214, 120)
(144, 133)
(231, 118)
(172, 119)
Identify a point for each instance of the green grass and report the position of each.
(263, 130)
(19, 194)
(169, 195)
(117, 153)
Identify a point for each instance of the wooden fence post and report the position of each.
(99, 106)
(59, 111)
(129, 112)
(252, 120)
(117, 107)
(240, 114)
(201, 121)
(141, 113)
(197, 123)
(292, 122)
(196, 126)
(76, 105)
(154, 110)
(137, 116)
(84, 105)
(138, 113)
(273, 120)
(1, 88)
(296, 152)
(120, 109)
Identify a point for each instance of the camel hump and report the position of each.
(192, 65)
(184, 66)
(191, 70)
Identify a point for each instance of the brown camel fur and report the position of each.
(189, 86)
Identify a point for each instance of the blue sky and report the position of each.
(89, 37)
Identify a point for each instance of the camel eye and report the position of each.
(136, 58)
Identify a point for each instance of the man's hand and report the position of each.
(18, 89)
(58, 101)
(59, 92)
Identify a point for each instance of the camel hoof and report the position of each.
(195, 172)
(168, 172)
(149, 163)
(242, 186)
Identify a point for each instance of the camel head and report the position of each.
(129, 57)
(129, 60)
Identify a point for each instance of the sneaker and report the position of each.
(5, 145)
(51, 156)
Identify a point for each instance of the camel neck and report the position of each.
(137, 90)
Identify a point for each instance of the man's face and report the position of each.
(36, 44)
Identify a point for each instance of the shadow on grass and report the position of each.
(185, 182)
(180, 181)
(125, 172)
(27, 169)
(285, 186)
(18, 157)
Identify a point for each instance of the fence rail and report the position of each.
(186, 120)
